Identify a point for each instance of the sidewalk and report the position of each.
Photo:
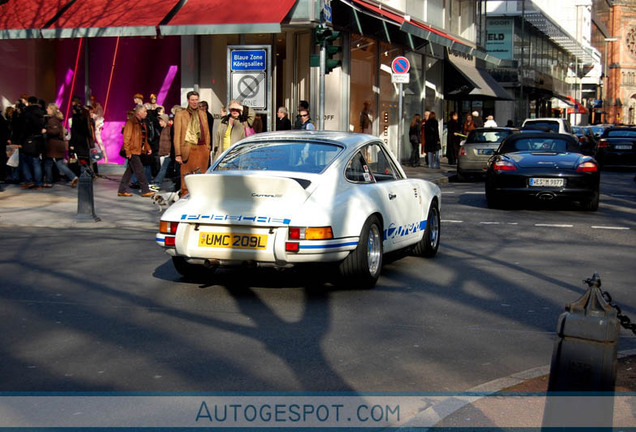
(57, 207)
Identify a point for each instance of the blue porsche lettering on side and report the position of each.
(394, 231)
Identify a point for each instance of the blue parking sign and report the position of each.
(248, 60)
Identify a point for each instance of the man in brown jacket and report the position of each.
(191, 140)
(135, 143)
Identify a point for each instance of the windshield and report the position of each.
(539, 144)
(626, 133)
(297, 156)
(486, 136)
(545, 123)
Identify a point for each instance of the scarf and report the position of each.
(193, 132)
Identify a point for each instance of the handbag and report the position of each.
(249, 131)
(122, 151)
(14, 159)
(96, 154)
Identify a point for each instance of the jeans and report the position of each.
(433, 159)
(415, 154)
(31, 169)
(61, 166)
(163, 171)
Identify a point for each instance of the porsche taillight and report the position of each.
(504, 165)
(166, 227)
(588, 166)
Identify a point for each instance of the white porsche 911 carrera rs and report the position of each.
(286, 198)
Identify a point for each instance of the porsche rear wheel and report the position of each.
(427, 247)
(361, 269)
(592, 203)
(192, 272)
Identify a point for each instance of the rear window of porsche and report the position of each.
(297, 156)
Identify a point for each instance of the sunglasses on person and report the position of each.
(304, 115)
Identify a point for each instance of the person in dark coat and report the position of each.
(32, 145)
(414, 139)
(432, 142)
(454, 139)
(82, 137)
(56, 146)
(303, 105)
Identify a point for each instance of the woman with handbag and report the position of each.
(414, 139)
(56, 147)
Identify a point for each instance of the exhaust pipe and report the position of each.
(546, 196)
(211, 263)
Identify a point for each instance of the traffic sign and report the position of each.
(250, 88)
(248, 60)
(400, 65)
(400, 78)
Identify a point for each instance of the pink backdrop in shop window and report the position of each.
(142, 65)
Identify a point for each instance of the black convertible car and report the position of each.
(542, 166)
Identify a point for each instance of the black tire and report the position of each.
(493, 199)
(461, 177)
(592, 203)
(191, 272)
(428, 245)
(361, 268)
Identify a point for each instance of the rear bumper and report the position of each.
(274, 254)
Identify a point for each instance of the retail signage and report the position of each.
(252, 60)
(499, 37)
(400, 65)
(249, 75)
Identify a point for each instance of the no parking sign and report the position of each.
(400, 67)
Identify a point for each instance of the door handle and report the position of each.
(392, 196)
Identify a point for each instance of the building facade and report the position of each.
(112, 55)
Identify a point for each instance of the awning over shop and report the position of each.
(573, 106)
(97, 18)
(466, 81)
(222, 17)
(419, 29)
(20, 19)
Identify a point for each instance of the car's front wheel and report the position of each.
(362, 266)
(193, 272)
(428, 245)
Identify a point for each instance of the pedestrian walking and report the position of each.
(433, 145)
(282, 119)
(135, 144)
(232, 126)
(165, 150)
(191, 139)
(56, 147)
(414, 139)
(306, 123)
(32, 144)
(303, 105)
(454, 138)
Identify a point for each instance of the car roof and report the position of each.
(495, 129)
(346, 139)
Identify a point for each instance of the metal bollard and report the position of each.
(584, 360)
(584, 357)
(85, 202)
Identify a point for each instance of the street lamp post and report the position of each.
(606, 83)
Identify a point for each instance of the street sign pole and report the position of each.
(400, 124)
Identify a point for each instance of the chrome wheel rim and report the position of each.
(374, 250)
(434, 228)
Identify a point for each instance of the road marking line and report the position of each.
(452, 221)
(490, 223)
(554, 225)
(475, 193)
(609, 227)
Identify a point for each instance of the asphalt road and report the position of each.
(103, 309)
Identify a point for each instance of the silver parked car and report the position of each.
(477, 148)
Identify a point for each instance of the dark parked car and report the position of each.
(542, 166)
(617, 146)
(477, 148)
(587, 142)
